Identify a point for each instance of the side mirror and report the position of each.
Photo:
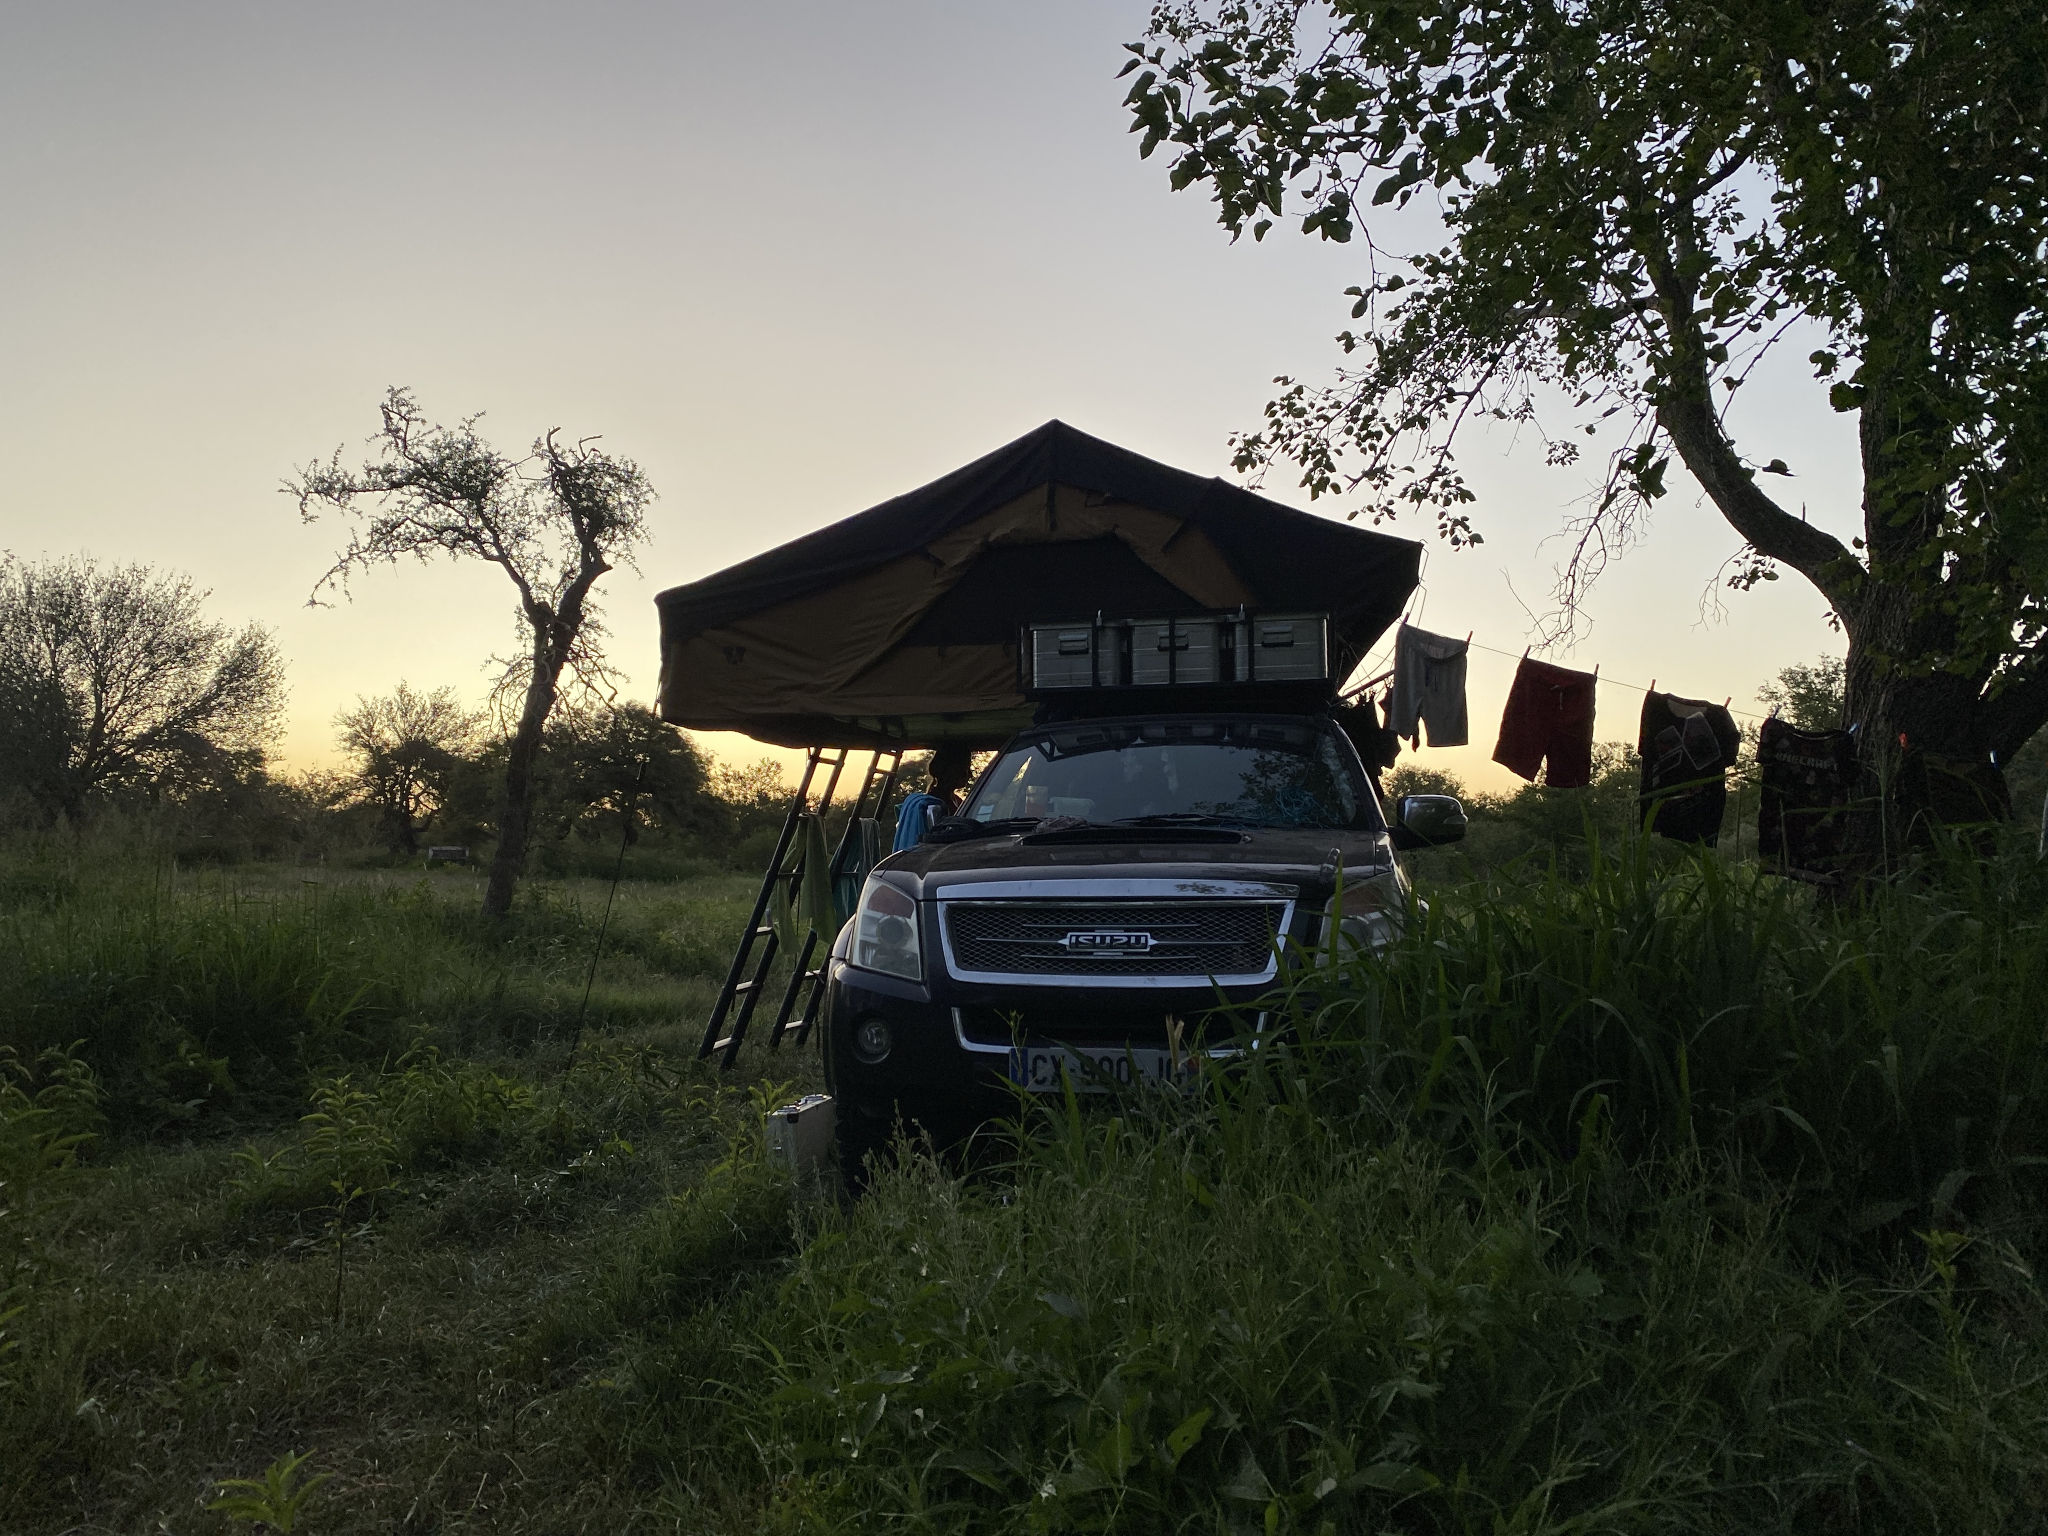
(1424, 821)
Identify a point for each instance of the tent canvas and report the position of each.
(899, 625)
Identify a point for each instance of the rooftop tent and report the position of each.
(899, 625)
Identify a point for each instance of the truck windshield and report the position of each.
(1237, 773)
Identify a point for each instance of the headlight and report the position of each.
(1364, 914)
(885, 932)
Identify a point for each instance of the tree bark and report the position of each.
(554, 642)
(515, 804)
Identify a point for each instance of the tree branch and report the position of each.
(1688, 420)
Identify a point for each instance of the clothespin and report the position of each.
(1468, 637)
(1653, 682)
(1727, 701)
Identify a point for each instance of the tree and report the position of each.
(114, 681)
(405, 749)
(626, 765)
(1638, 200)
(1807, 695)
(554, 522)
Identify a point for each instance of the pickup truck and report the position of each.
(1115, 896)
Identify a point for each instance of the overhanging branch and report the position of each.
(1772, 531)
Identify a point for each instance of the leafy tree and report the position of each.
(1637, 201)
(113, 681)
(627, 762)
(405, 751)
(1414, 779)
(1808, 696)
(553, 521)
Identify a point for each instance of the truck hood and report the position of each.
(1309, 859)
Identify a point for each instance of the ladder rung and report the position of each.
(744, 986)
(721, 1045)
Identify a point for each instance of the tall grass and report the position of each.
(1268, 1326)
(186, 991)
(1655, 1196)
(1881, 1060)
(1638, 1194)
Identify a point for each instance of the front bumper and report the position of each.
(949, 1065)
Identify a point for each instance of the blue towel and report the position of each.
(914, 820)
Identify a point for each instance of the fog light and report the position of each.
(871, 1041)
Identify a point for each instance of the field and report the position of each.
(1650, 1194)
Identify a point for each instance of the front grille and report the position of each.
(1184, 938)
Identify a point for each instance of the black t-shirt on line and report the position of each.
(1687, 747)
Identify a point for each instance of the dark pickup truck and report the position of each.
(1116, 895)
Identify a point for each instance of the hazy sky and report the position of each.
(793, 258)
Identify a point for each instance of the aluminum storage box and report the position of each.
(1167, 651)
(1282, 648)
(1081, 655)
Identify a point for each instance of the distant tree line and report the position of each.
(121, 699)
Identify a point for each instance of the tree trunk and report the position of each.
(515, 806)
(1925, 739)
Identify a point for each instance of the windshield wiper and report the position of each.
(1185, 819)
(958, 829)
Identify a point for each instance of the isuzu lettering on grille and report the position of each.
(1107, 941)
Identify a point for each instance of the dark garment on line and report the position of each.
(1549, 716)
(1962, 791)
(1808, 779)
(1687, 747)
(1377, 744)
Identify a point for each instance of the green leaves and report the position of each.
(1634, 198)
(277, 1499)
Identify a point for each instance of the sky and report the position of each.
(791, 258)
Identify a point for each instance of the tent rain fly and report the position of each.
(899, 626)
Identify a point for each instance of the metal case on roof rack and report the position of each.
(1276, 648)
(1203, 649)
(1167, 651)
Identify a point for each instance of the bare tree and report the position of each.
(113, 680)
(553, 521)
(404, 749)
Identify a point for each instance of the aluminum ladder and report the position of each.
(746, 979)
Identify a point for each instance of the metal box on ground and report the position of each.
(800, 1134)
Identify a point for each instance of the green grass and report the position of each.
(1639, 1194)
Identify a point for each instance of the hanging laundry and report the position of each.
(1808, 778)
(1377, 745)
(1549, 716)
(1957, 790)
(1429, 686)
(1687, 747)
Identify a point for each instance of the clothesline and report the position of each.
(1382, 675)
(1687, 747)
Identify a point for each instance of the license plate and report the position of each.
(1041, 1068)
